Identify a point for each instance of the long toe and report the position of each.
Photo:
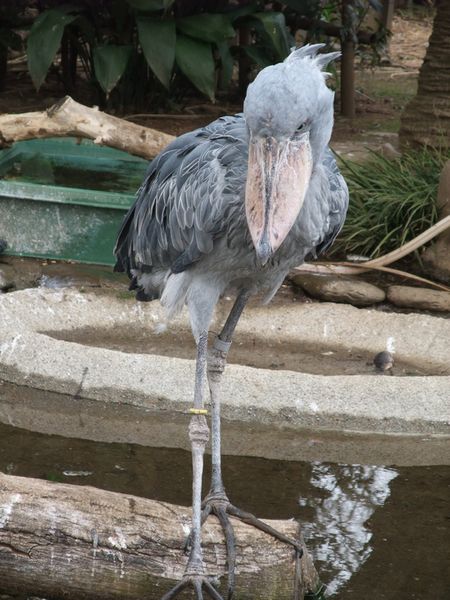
(250, 519)
(198, 583)
(219, 505)
(230, 542)
(176, 590)
(198, 589)
(211, 590)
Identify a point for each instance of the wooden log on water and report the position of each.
(68, 117)
(74, 542)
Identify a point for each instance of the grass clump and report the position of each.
(391, 201)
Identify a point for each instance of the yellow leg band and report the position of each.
(198, 411)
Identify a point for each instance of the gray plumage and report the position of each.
(186, 238)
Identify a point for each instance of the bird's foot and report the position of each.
(218, 504)
(194, 577)
(198, 582)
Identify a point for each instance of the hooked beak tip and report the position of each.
(264, 251)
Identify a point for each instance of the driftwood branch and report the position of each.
(68, 117)
(59, 540)
(380, 263)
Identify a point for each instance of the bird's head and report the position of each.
(289, 114)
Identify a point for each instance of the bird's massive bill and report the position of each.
(277, 180)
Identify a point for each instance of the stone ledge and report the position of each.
(283, 399)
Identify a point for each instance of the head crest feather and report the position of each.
(311, 51)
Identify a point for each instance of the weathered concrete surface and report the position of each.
(284, 399)
(52, 413)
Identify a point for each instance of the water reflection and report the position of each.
(377, 533)
(337, 534)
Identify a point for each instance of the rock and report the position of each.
(436, 259)
(437, 256)
(339, 289)
(423, 298)
(383, 361)
(7, 278)
(388, 151)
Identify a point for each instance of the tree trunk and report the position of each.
(437, 256)
(426, 119)
(74, 542)
(3, 66)
(348, 108)
(347, 63)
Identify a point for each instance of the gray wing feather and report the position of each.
(184, 202)
(338, 204)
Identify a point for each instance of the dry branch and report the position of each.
(59, 540)
(68, 117)
(379, 264)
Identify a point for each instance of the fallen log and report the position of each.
(68, 117)
(74, 542)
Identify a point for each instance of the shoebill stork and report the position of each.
(232, 207)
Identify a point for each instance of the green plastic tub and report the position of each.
(64, 198)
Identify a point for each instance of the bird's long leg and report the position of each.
(217, 502)
(217, 360)
(195, 575)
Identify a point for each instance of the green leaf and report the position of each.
(257, 55)
(149, 5)
(207, 27)
(242, 11)
(44, 41)
(110, 63)
(226, 59)
(196, 61)
(275, 27)
(158, 39)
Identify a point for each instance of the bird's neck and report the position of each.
(320, 134)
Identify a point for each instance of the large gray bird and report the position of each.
(232, 207)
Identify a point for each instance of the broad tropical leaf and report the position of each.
(275, 27)
(196, 61)
(242, 11)
(157, 38)
(44, 41)
(110, 63)
(226, 58)
(258, 55)
(207, 27)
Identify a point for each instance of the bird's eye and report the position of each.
(301, 127)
